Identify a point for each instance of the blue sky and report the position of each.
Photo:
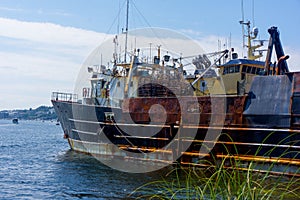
(44, 42)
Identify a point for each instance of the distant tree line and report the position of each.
(40, 113)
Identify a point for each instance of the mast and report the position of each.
(126, 30)
(251, 35)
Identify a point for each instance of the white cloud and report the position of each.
(38, 58)
(11, 9)
(49, 33)
(54, 12)
(191, 32)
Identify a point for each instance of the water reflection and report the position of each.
(80, 175)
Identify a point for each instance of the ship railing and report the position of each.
(68, 97)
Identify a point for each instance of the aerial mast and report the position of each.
(126, 31)
(251, 35)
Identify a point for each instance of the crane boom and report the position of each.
(275, 41)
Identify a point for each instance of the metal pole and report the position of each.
(126, 30)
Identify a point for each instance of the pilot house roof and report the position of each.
(243, 62)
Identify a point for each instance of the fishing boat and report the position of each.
(151, 109)
(15, 121)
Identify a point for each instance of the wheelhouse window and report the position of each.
(231, 69)
(259, 71)
(251, 70)
(237, 69)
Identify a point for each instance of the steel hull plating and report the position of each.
(271, 148)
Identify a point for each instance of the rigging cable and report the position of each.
(114, 21)
(148, 24)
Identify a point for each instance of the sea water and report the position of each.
(37, 163)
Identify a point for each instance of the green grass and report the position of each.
(219, 183)
(222, 182)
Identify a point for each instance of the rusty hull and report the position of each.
(276, 98)
(262, 126)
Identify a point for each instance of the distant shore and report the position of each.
(40, 113)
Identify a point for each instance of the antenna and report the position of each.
(126, 31)
(253, 13)
(118, 25)
(150, 51)
(230, 47)
(241, 22)
(242, 7)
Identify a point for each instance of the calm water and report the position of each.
(36, 163)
